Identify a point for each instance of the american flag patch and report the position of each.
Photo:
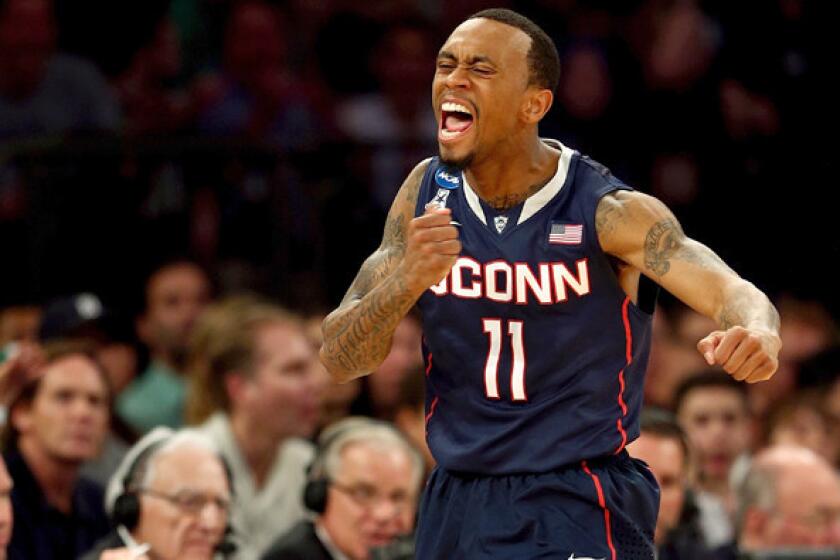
(565, 234)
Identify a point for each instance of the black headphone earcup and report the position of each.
(126, 510)
(315, 495)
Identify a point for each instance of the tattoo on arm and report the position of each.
(661, 244)
(745, 307)
(358, 335)
(607, 214)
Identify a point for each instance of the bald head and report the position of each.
(790, 498)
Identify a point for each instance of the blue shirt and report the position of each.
(535, 355)
(40, 531)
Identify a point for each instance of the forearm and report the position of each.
(742, 304)
(357, 336)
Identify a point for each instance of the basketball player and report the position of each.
(531, 265)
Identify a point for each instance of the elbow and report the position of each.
(338, 373)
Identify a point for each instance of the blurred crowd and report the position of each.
(264, 140)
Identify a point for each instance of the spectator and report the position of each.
(151, 101)
(57, 423)
(20, 365)
(255, 95)
(664, 447)
(802, 420)
(381, 393)
(19, 323)
(176, 294)
(41, 91)
(410, 413)
(363, 486)
(6, 517)
(790, 499)
(337, 397)
(83, 317)
(172, 493)
(711, 408)
(806, 330)
(257, 392)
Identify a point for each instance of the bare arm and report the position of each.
(641, 231)
(414, 254)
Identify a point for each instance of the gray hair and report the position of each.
(137, 468)
(363, 431)
(758, 490)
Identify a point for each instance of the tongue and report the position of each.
(456, 123)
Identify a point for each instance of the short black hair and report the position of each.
(709, 378)
(543, 59)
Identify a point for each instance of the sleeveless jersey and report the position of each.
(535, 356)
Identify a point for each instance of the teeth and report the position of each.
(449, 134)
(450, 106)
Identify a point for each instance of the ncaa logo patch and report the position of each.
(447, 179)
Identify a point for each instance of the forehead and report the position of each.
(376, 463)
(712, 399)
(75, 371)
(282, 339)
(188, 466)
(665, 452)
(177, 277)
(502, 43)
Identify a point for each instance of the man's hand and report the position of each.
(432, 247)
(21, 368)
(749, 355)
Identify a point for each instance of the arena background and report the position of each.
(266, 139)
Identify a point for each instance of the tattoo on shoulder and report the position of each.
(607, 215)
(661, 244)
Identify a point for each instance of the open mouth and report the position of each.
(455, 120)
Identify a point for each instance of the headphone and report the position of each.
(122, 499)
(318, 483)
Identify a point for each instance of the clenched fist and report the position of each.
(749, 355)
(432, 246)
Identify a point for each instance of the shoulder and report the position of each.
(625, 217)
(300, 543)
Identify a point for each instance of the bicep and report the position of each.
(387, 256)
(641, 231)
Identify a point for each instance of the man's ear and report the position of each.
(21, 417)
(536, 105)
(236, 385)
(753, 526)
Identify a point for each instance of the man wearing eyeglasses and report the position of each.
(173, 502)
(369, 478)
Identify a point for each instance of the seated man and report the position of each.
(56, 423)
(364, 484)
(790, 499)
(711, 407)
(170, 498)
(664, 447)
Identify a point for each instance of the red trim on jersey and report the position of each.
(431, 410)
(628, 338)
(429, 366)
(602, 502)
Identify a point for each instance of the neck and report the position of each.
(258, 448)
(515, 171)
(56, 478)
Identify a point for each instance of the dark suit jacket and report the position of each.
(300, 543)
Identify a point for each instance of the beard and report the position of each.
(457, 164)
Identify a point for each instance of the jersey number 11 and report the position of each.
(493, 327)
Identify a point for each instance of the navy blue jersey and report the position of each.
(535, 356)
